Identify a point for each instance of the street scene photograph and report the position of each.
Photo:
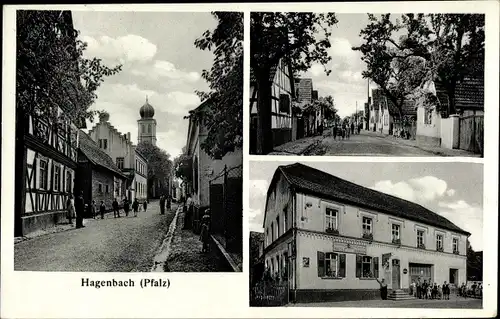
(367, 84)
(327, 234)
(129, 142)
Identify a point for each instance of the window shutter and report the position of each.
(375, 266)
(358, 266)
(342, 266)
(321, 264)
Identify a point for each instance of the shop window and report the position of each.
(396, 233)
(366, 267)
(455, 245)
(439, 242)
(331, 220)
(43, 174)
(331, 265)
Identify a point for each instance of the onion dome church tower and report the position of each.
(147, 124)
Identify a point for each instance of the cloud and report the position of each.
(450, 192)
(165, 69)
(466, 216)
(256, 218)
(128, 48)
(317, 69)
(341, 47)
(259, 186)
(420, 190)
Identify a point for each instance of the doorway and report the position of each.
(454, 276)
(396, 274)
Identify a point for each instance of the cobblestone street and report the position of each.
(111, 245)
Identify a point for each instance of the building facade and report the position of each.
(46, 156)
(146, 125)
(99, 177)
(331, 238)
(282, 93)
(124, 154)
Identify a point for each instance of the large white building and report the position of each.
(331, 238)
(125, 155)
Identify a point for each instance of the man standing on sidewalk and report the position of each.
(79, 207)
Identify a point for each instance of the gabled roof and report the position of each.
(380, 99)
(315, 182)
(469, 94)
(97, 156)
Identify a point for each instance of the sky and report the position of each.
(345, 83)
(159, 60)
(440, 187)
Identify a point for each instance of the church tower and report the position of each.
(147, 124)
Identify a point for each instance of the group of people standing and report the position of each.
(344, 131)
(76, 208)
(428, 290)
(165, 199)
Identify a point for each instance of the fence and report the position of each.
(269, 294)
(226, 207)
(471, 133)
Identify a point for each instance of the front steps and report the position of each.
(399, 294)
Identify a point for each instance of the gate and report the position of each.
(269, 294)
(471, 133)
(226, 207)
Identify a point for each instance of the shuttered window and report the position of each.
(367, 267)
(331, 265)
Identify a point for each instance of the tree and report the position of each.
(474, 264)
(181, 166)
(327, 105)
(397, 71)
(159, 164)
(51, 71)
(224, 115)
(291, 36)
(440, 47)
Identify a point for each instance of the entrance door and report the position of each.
(396, 274)
(453, 276)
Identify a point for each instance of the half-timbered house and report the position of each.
(46, 154)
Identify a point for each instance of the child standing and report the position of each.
(102, 209)
(204, 235)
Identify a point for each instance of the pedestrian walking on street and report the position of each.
(102, 209)
(335, 131)
(383, 288)
(359, 128)
(93, 209)
(70, 209)
(135, 207)
(116, 209)
(126, 206)
(79, 208)
(352, 128)
(145, 205)
(419, 289)
(205, 233)
(162, 205)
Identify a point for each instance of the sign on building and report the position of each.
(349, 248)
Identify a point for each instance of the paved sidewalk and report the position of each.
(298, 147)
(185, 252)
(436, 150)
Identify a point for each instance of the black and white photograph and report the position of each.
(367, 84)
(128, 141)
(327, 234)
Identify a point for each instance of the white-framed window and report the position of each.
(44, 174)
(57, 177)
(120, 162)
(366, 267)
(420, 238)
(439, 242)
(331, 218)
(396, 232)
(367, 225)
(331, 265)
(455, 245)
